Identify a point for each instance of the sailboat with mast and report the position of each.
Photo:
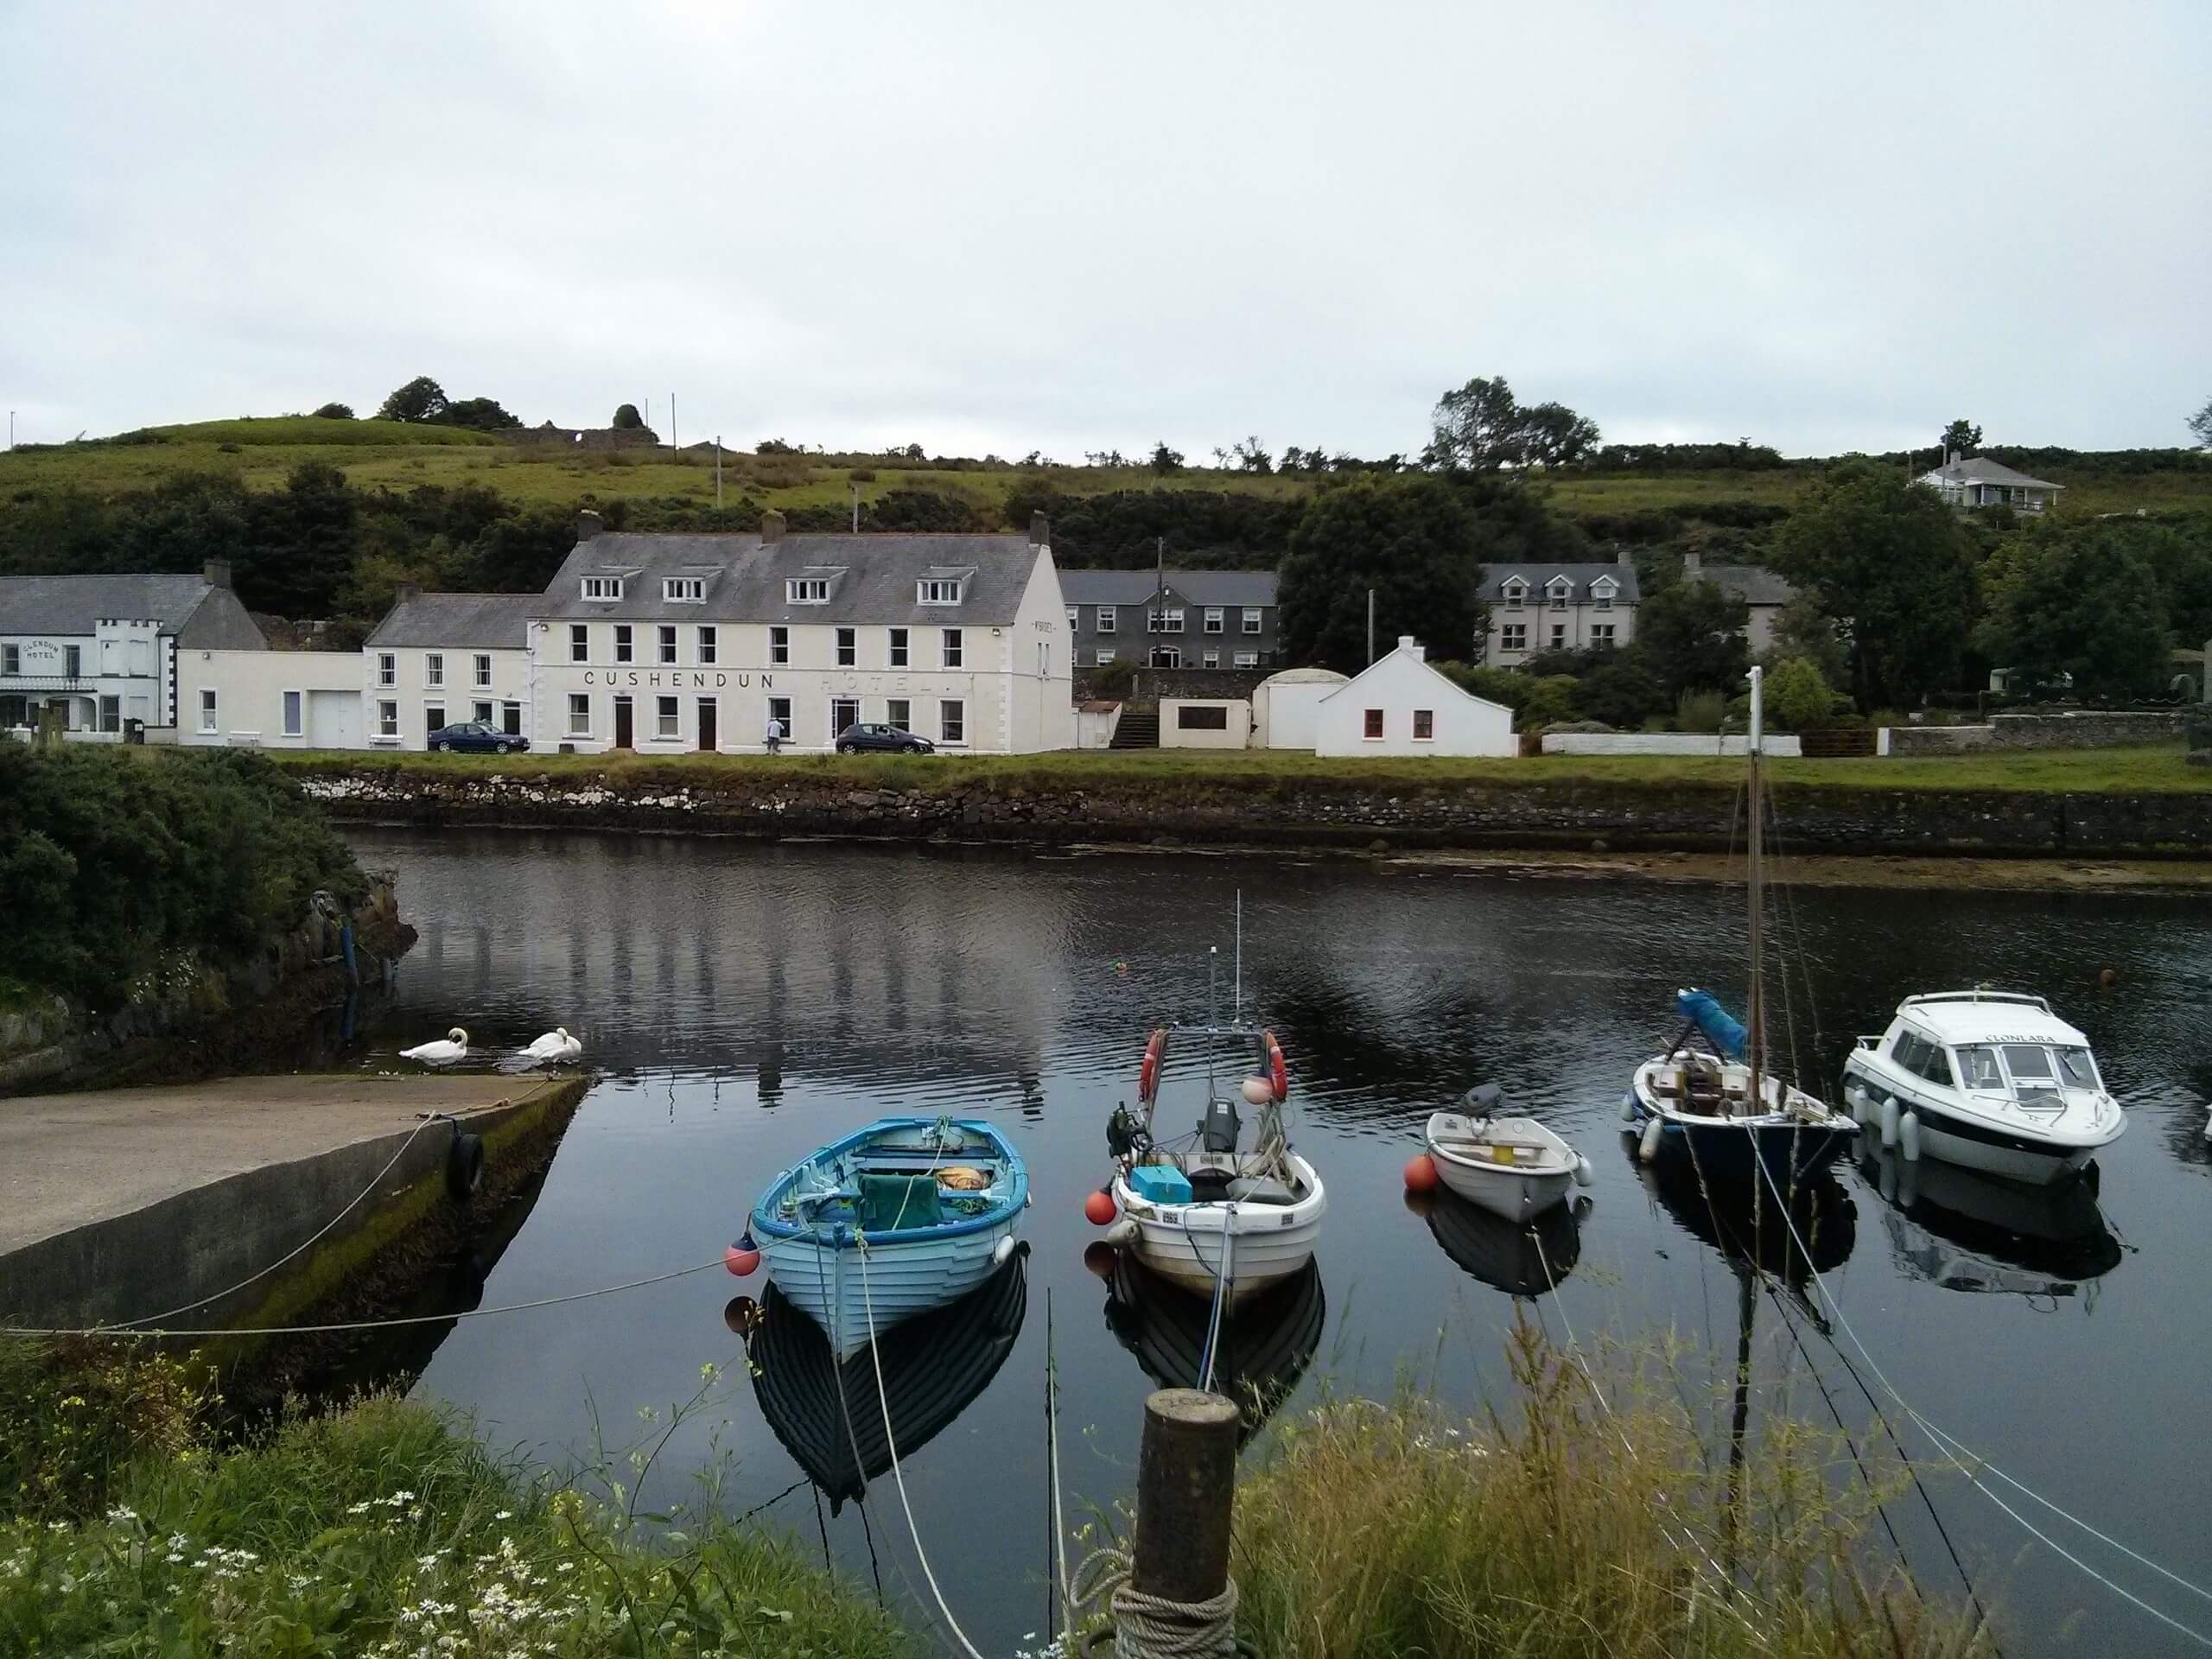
(1724, 1104)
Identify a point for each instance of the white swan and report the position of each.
(554, 1047)
(451, 1047)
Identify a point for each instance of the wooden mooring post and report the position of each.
(1187, 1483)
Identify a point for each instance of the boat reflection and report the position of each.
(1967, 1231)
(1741, 1216)
(1265, 1345)
(1524, 1259)
(831, 1418)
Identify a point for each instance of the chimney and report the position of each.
(771, 528)
(1040, 530)
(217, 572)
(1621, 557)
(1407, 644)
(1693, 565)
(589, 524)
(1950, 459)
(405, 591)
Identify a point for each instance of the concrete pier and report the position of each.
(119, 1204)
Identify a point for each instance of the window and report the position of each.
(780, 710)
(207, 708)
(707, 647)
(1559, 636)
(579, 714)
(952, 720)
(684, 590)
(1513, 636)
(1601, 635)
(843, 712)
(481, 713)
(434, 716)
(294, 723)
(1602, 598)
(1977, 1062)
(1247, 659)
(847, 648)
(1515, 592)
(483, 671)
(898, 712)
(73, 661)
(667, 643)
(1201, 717)
(387, 668)
(579, 643)
(780, 645)
(1104, 656)
(1163, 619)
(1044, 659)
(1918, 1055)
(1105, 619)
(937, 591)
(622, 643)
(387, 717)
(1424, 725)
(898, 648)
(1251, 619)
(434, 670)
(952, 647)
(11, 660)
(1216, 619)
(1374, 723)
(111, 714)
(807, 590)
(664, 717)
(2076, 1069)
(603, 589)
(1559, 591)
(1075, 618)
(1211, 659)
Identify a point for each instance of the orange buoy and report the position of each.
(1099, 1210)
(743, 1257)
(1420, 1173)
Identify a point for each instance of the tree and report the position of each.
(478, 413)
(1799, 695)
(1802, 630)
(1252, 455)
(1164, 459)
(1412, 543)
(1480, 428)
(1889, 560)
(335, 412)
(626, 419)
(302, 544)
(1554, 435)
(2201, 424)
(1962, 438)
(420, 399)
(1690, 637)
(2061, 602)
(1621, 693)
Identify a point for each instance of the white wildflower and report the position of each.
(119, 1514)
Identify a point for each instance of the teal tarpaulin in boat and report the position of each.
(889, 1203)
(1722, 1029)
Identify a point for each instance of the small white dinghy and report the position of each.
(1513, 1167)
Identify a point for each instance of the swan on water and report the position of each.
(453, 1045)
(555, 1046)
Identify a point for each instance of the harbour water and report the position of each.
(745, 1002)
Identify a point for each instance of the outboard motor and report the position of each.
(1484, 1100)
(1222, 1126)
(1125, 1133)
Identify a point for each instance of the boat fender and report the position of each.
(1855, 1098)
(1889, 1121)
(464, 1166)
(1648, 1148)
(1003, 1252)
(744, 1256)
(1278, 1068)
(1583, 1173)
(1628, 1107)
(1099, 1208)
(1909, 1137)
(1123, 1231)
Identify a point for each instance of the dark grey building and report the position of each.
(1176, 619)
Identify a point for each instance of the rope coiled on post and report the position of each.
(1153, 1627)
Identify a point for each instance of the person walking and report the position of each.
(775, 735)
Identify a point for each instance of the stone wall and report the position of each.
(2084, 729)
(1291, 811)
(1150, 684)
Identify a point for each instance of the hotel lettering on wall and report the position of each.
(675, 679)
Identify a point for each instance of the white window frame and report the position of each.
(292, 712)
(898, 648)
(11, 660)
(210, 708)
(1210, 659)
(1217, 620)
(780, 646)
(579, 714)
(1105, 655)
(668, 717)
(1601, 593)
(708, 645)
(1247, 660)
(1252, 621)
(479, 712)
(1602, 635)
(806, 590)
(666, 644)
(953, 648)
(846, 643)
(1515, 594)
(1513, 636)
(602, 590)
(625, 643)
(1420, 736)
(847, 701)
(483, 671)
(1105, 619)
(1075, 618)
(1559, 636)
(1557, 592)
(73, 662)
(387, 668)
(938, 590)
(684, 590)
(434, 670)
(579, 642)
(952, 720)
(107, 713)
(1164, 619)
(899, 712)
(388, 719)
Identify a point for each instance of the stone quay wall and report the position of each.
(2086, 729)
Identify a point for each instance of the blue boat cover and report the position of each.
(1722, 1029)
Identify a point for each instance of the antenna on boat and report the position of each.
(1237, 996)
(1213, 1009)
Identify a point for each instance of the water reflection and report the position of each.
(1527, 1259)
(1967, 1231)
(1741, 1215)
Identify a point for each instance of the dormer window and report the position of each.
(937, 590)
(1515, 592)
(807, 590)
(1558, 587)
(603, 589)
(684, 590)
(1601, 593)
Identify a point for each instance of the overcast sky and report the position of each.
(996, 228)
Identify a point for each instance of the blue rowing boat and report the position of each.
(907, 1215)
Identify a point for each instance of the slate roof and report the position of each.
(1222, 587)
(1538, 575)
(75, 605)
(872, 578)
(1753, 583)
(1979, 470)
(464, 621)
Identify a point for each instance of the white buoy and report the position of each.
(1582, 1173)
(1889, 1121)
(1648, 1148)
(1004, 1249)
(1628, 1110)
(1909, 1137)
(1855, 1098)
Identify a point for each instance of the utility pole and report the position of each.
(854, 485)
(671, 426)
(718, 471)
(11, 428)
(1371, 627)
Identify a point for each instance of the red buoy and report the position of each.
(1420, 1173)
(743, 1257)
(1099, 1210)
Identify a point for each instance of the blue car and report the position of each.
(474, 737)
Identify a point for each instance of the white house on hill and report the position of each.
(1979, 482)
(1400, 705)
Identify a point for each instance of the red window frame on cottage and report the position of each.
(1424, 725)
(1374, 723)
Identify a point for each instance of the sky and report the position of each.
(1001, 228)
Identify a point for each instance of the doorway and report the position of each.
(625, 735)
(707, 723)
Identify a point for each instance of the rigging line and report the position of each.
(1803, 952)
(771, 1503)
(1056, 1563)
(874, 1571)
(113, 1332)
(1959, 1453)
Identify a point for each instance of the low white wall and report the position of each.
(1094, 728)
(1234, 733)
(1662, 743)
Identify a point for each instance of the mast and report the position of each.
(1758, 1009)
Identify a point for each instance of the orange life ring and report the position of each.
(1148, 1073)
(1278, 1068)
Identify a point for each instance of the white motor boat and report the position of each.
(1513, 1167)
(1991, 1080)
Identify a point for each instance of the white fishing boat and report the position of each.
(1991, 1080)
(1727, 1110)
(1512, 1166)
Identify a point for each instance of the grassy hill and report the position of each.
(398, 456)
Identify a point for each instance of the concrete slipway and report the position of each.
(120, 1203)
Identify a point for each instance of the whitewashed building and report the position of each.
(665, 643)
(269, 699)
(105, 650)
(1400, 705)
(438, 660)
(1286, 706)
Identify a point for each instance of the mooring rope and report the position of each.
(1153, 1627)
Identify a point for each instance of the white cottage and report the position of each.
(439, 659)
(1400, 705)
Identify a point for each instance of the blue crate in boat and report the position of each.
(1160, 1184)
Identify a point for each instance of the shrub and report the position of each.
(1798, 696)
(1551, 699)
(1620, 694)
(1700, 711)
(335, 412)
(1113, 680)
(1503, 685)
